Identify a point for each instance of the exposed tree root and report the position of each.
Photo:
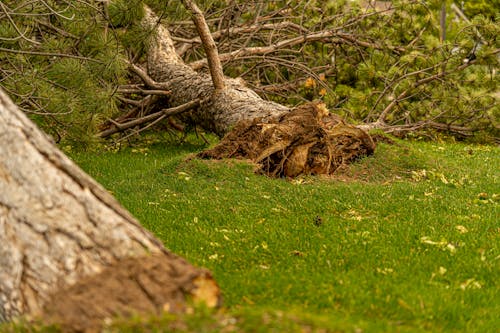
(307, 140)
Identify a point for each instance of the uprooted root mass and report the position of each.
(307, 140)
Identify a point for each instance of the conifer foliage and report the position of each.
(74, 66)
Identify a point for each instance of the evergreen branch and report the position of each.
(20, 34)
(418, 83)
(51, 54)
(56, 29)
(397, 80)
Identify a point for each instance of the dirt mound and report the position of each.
(133, 286)
(307, 140)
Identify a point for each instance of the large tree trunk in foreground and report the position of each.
(284, 142)
(68, 251)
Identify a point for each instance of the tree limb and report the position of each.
(119, 127)
(188, 43)
(332, 36)
(214, 63)
(147, 79)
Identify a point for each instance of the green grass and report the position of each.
(404, 241)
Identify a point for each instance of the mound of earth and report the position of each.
(147, 285)
(307, 140)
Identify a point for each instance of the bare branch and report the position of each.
(214, 63)
(147, 79)
(143, 91)
(188, 43)
(149, 118)
(332, 36)
(50, 54)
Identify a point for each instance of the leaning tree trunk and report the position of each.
(284, 142)
(68, 251)
(220, 109)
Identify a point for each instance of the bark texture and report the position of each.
(59, 230)
(221, 109)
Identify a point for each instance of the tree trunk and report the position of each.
(68, 251)
(284, 142)
(221, 109)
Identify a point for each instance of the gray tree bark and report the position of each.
(67, 245)
(221, 108)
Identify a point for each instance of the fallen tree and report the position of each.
(69, 252)
(409, 96)
(379, 64)
(284, 142)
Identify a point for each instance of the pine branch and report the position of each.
(51, 54)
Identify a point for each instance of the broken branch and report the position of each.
(151, 117)
(213, 60)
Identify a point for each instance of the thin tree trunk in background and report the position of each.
(68, 250)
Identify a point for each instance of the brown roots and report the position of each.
(307, 140)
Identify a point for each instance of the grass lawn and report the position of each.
(407, 240)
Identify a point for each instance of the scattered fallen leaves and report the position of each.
(470, 284)
(442, 244)
(297, 253)
(184, 175)
(404, 305)
(143, 151)
(385, 270)
(423, 174)
(482, 196)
